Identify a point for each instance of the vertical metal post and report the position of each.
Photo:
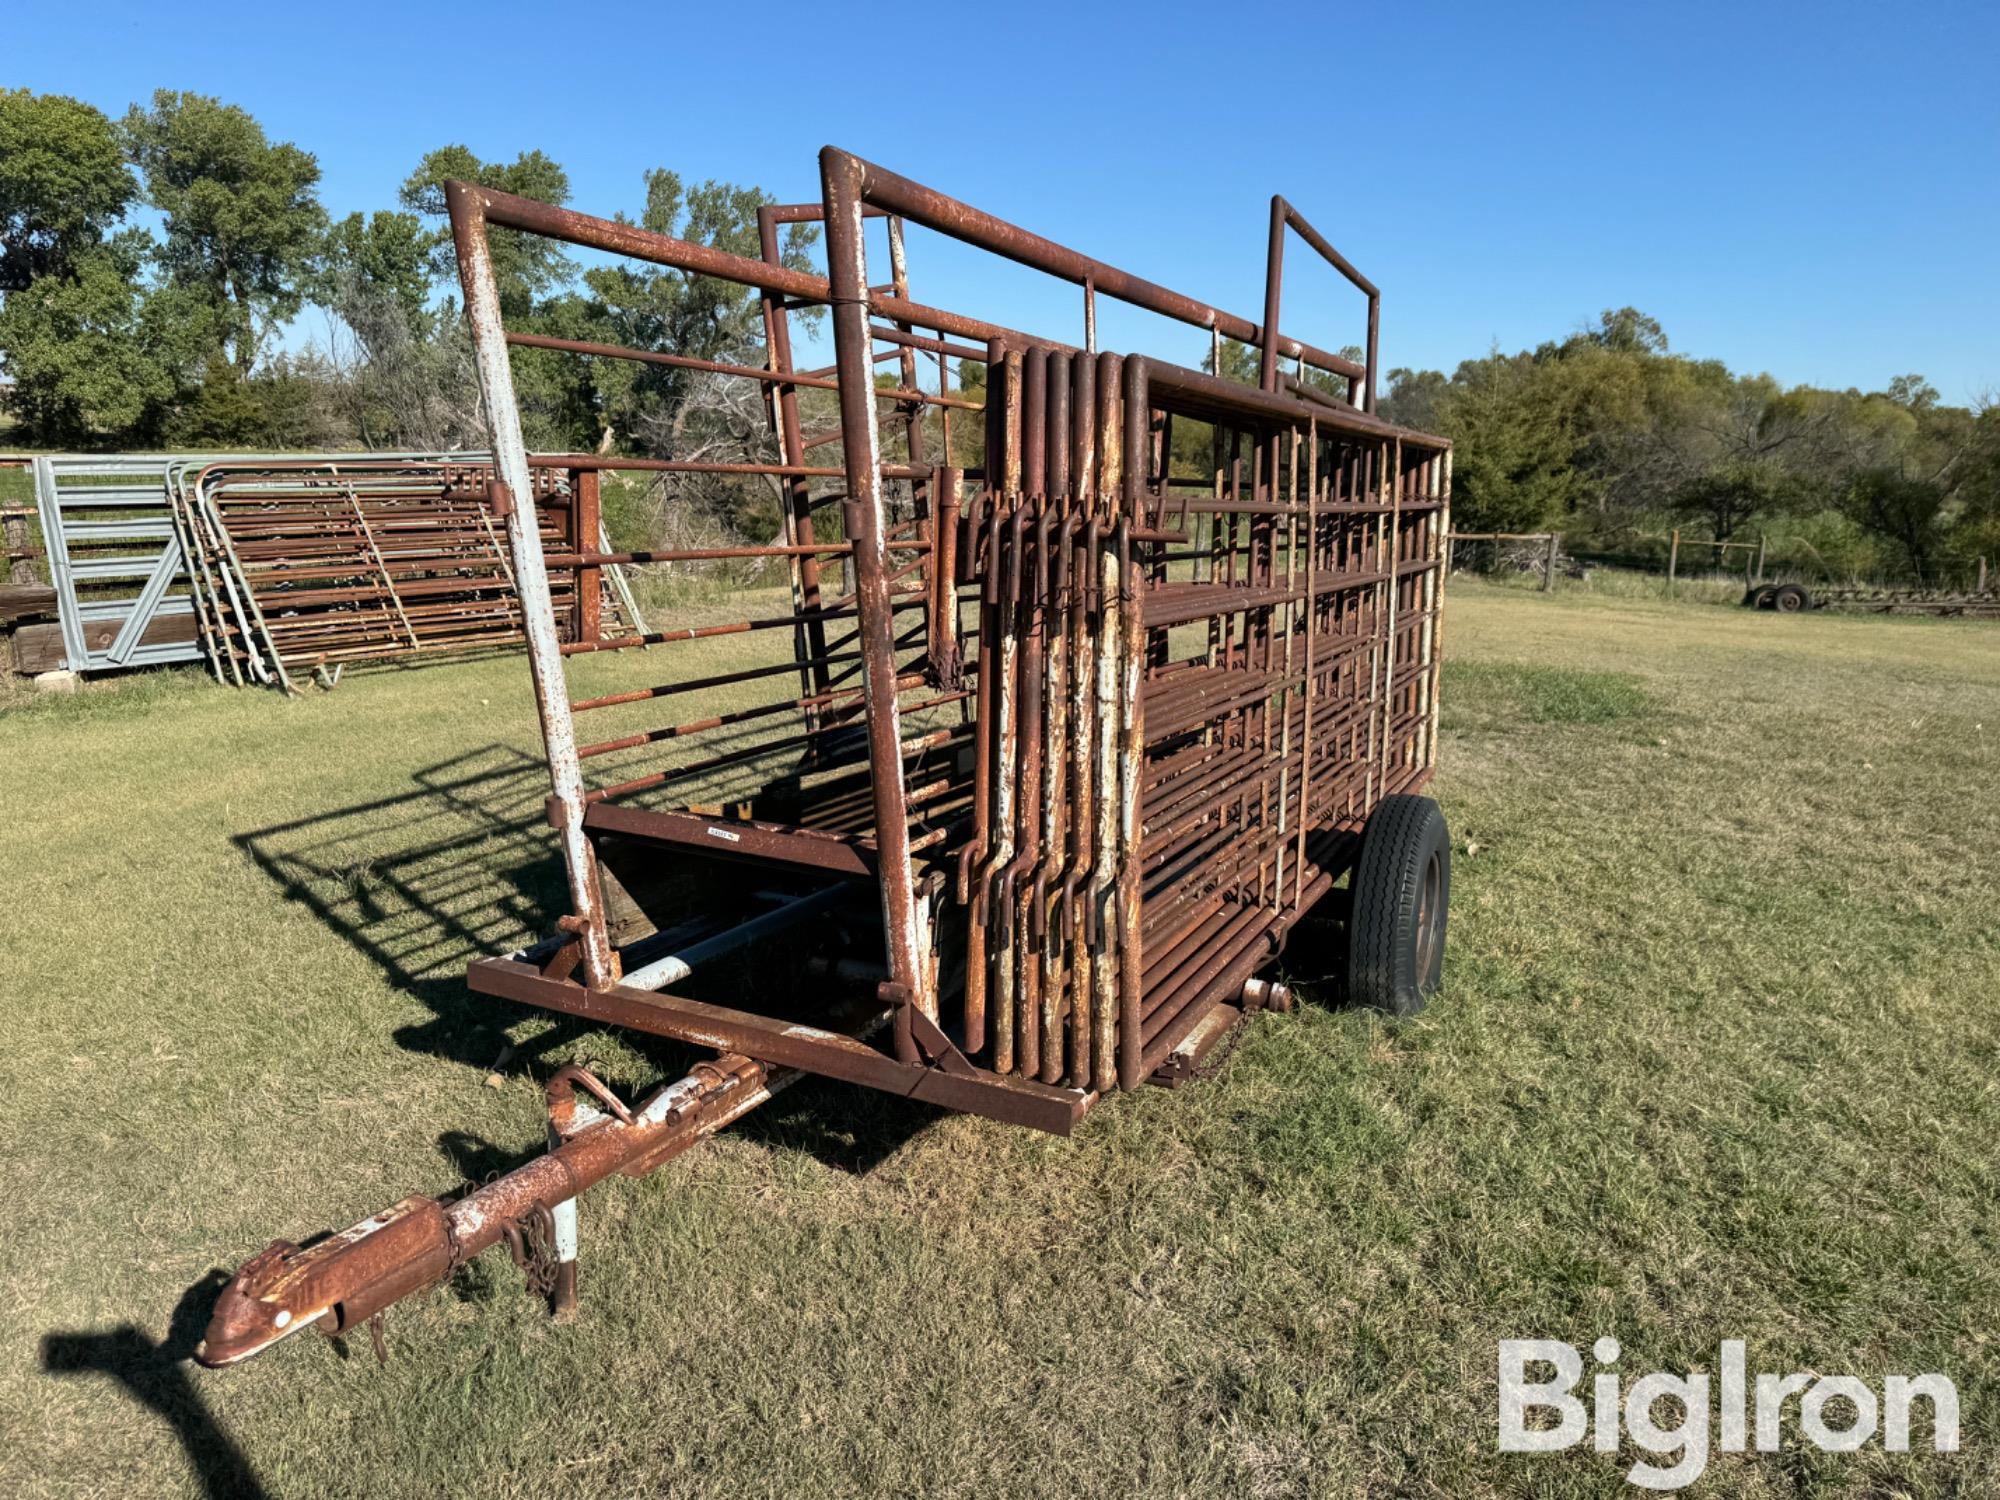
(563, 1220)
(913, 410)
(1374, 332)
(1312, 632)
(1274, 279)
(1285, 695)
(1131, 773)
(809, 638)
(847, 275)
(1392, 455)
(1437, 624)
(585, 526)
(531, 576)
(1427, 597)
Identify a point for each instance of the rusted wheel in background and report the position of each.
(1789, 599)
(1401, 896)
(1759, 596)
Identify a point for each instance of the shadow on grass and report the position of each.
(847, 1128)
(463, 866)
(157, 1374)
(457, 868)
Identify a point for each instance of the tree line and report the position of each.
(1613, 438)
(149, 267)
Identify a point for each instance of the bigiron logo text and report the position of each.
(1741, 1413)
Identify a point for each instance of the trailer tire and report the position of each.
(1401, 894)
(1759, 597)
(1789, 599)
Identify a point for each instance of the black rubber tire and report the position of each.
(1789, 599)
(1759, 597)
(1401, 898)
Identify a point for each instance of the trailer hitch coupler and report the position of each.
(337, 1284)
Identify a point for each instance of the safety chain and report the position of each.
(531, 1240)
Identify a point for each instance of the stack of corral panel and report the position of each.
(1201, 684)
(300, 562)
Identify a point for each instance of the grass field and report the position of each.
(1716, 1058)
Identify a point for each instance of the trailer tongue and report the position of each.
(1065, 746)
(350, 1278)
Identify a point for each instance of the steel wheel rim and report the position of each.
(1430, 911)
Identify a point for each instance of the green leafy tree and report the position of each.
(92, 350)
(1233, 360)
(1414, 398)
(1908, 512)
(1514, 469)
(1725, 499)
(243, 219)
(525, 266)
(674, 412)
(95, 354)
(385, 254)
(1626, 330)
(223, 411)
(63, 184)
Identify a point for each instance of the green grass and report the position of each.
(1689, 587)
(1488, 693)
(1715, 1059)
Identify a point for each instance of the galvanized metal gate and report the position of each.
(115, 562)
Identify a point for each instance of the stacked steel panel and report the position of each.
(1200, 686)
(309, 564)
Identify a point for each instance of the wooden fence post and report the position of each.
(1549, 562)
(21, 566)
(1982, 577)
(1673, 559)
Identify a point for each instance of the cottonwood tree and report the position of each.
(682, 414)
(63, 184)
(532, 273)
(242, 216)
(386, 252)
(525, 266)
(94, 350)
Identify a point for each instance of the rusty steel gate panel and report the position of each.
(1012, 802)
(305, 565)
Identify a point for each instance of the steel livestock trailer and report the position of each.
(1066, 743)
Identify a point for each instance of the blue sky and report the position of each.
(1808, 190)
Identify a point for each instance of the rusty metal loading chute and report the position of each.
(1067, 743)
